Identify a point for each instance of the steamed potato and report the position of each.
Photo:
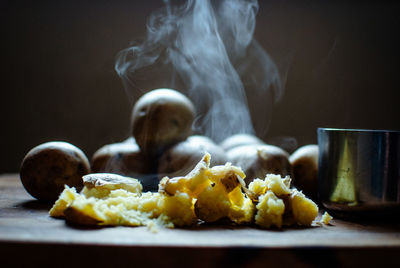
(126, 158)
(239, 140)
(304, 163)
(49, 166)
(180, 159)
(161, 118)
(259, 160)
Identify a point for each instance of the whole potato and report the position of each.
(161, 118)
(126, 158)
(239, 140)
(180, 159)
(49, 166)
(259, 160)
(304, 163)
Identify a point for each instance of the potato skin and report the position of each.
(121, 158)
(304, 163)
(127, 159)
(240, 140)
(49, 166)
(161, 118)
(180, 159)
(259, 160)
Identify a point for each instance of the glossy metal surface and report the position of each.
(359, 170)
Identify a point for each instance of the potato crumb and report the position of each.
(326, 218)
(152, 227)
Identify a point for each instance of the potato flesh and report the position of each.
(65, 199)
(272, 193)
(208, 194)
(270, 210)
(304, 209)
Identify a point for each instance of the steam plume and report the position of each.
(206, 50)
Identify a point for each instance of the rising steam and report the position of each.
(206, 50)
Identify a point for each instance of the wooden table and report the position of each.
(29, 236)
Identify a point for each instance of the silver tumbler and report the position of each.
(359, 172)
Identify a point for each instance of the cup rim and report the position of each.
(357, 130)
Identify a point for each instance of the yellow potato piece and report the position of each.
(242, 208)
(179, 209)
(65, 199)
(304, 209)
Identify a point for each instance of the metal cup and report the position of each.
(359, 171)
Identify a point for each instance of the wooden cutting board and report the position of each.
(25, 225)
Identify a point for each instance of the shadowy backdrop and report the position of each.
(340, 60)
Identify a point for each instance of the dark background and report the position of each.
(58, 79)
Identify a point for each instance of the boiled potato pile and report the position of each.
(161, 120)
(206, 194)
(162, 144)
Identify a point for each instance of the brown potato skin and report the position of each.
(304, 163)
(275, 160)
(240, 140)
(180, 159)
(161, 118)
(127, 159)
(122, 157)
(49, 166)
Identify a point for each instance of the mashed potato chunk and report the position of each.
(269, 210)
(206, 194)
(279, 204)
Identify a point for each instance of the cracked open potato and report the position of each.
(161, 118)
(49, 166)
(259, 160)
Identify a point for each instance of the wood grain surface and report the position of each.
(26, 225)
